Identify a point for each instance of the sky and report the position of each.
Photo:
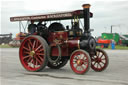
(105, 13)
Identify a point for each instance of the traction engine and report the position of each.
(54, 45)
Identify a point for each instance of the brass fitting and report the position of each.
(86, 6)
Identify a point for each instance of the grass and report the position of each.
(117, 47)
(5, 46)
(121, 47)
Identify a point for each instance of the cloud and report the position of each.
(106, 13)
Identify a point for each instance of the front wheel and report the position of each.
(99, 61)
(80, 61)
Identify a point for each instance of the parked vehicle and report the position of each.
(103, 43)
(124, 40)
(5, 38)
(17, 40)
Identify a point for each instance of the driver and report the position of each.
(32, 27)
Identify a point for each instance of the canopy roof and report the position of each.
(52, 16)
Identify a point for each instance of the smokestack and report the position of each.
(86, 13)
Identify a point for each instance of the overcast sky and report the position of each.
(106, 13)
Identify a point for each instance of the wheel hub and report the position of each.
(79, 62)
(98, 60)
(32, 53)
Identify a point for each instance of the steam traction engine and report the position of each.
(53, 46)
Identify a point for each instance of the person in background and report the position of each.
(32, 27)
(113, 44)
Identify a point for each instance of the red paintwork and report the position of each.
(64, 51)
(61, 37)
(73, 43)
(58, 38)
(103, 41)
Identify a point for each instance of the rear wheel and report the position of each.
(33, 53)
(99, 61)
(80, 61)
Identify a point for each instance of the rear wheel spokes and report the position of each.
(29, 46)
(26, 57)
(94, 63)
(27, 52)
(38, 61)
(33, 53)
(41, 54)
(26, 49)
(29, 59)
(34, 43)
(40, 50)
(30, 42)
(36, 49)
(41, 58)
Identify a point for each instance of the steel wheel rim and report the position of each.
(79, 62)
(32, 54)
(99, 61)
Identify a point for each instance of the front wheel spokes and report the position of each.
(100, 65)
(101, 60)
(80, 61)
(97, 54)
(82, 67)
(101, 55)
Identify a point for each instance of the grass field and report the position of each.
(5, 46)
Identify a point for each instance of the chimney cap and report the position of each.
(86, 6)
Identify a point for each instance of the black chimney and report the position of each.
(86, 14)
